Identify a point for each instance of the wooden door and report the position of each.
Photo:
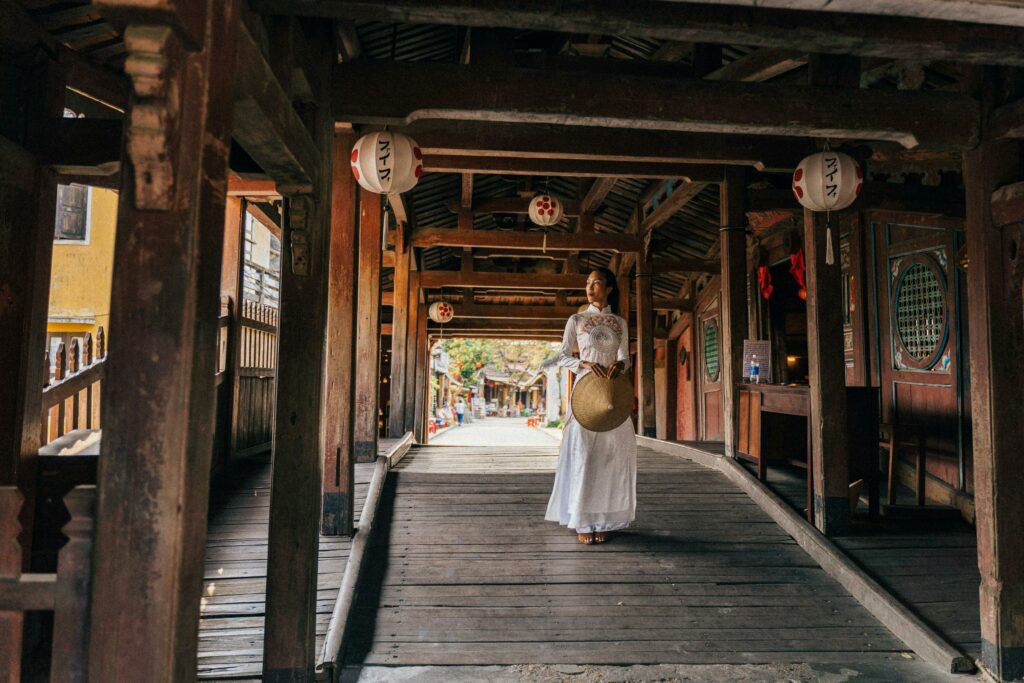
(919, 290)
(708, 368)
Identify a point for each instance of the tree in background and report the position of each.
(519, 359)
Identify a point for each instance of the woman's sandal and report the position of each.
(600, 536)
(585, 539)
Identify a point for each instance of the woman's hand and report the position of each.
(595, 368)
(614, 371)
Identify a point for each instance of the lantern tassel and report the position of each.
(830, 258)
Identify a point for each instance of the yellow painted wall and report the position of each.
(81, 274)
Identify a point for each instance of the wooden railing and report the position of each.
(72, 400)
(256, 370)
(65, 593)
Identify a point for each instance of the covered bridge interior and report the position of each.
(669, 131)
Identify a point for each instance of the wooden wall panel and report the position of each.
(686, 411)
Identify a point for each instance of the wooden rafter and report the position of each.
(576, 168)
(759, 65)
(596, 194)
(266, 124)
(514, 312)
(446, 237)
(434, 279)
(697, 22)
(551, 141)
(466, 198)
(418, 90)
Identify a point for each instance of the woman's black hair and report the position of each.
(610, 283)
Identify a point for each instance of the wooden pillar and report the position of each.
(997, 392)
(32, 99)
(411, 352)
(337, 512)
(159, 395)
(289, 642)
(399, 337)
(422, 385)
(368, 327)
(647, 419)
(232, 275)
(733, 222)
(827, 369)
(672, 380)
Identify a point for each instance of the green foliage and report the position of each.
(555, 424)
(520, 359)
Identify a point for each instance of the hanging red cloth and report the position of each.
(798, 268)
(764, 281)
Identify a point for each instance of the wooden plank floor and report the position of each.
(465, 571)
(932, 567)
(234, 586)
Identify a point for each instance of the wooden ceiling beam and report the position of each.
(399, 93)
(504, 239)
(513, 312)
(240, 187)
(679, 198)
(874, 196)
(596, 194)
(466, 199)
(436, 333)
(266, 124)
(832, 32)
(759, 65)
(575, 168)
(498, 252)
(549, 141)
(435, 279)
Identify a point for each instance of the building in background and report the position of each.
(83, 256)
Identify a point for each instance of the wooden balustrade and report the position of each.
(256, 366)
(72, 401)
(66, 593)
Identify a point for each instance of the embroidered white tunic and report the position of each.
(595, 483)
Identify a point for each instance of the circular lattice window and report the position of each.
(711, 366)
(919, 312)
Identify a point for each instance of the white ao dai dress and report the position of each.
(595, 482)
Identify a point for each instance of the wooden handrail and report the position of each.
(66, 388)
(338, 628)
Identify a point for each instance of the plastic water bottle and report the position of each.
(755, 370)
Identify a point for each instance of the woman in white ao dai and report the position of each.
(595, 482)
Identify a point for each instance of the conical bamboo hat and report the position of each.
(601, 404)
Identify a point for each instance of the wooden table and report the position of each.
(756, 399)
(862, 423)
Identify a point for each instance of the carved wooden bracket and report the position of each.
(155, 64)
(300, 210)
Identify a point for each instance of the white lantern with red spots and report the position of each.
(827, 181)
(545, 209)
(441, 312)
(387, 162)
